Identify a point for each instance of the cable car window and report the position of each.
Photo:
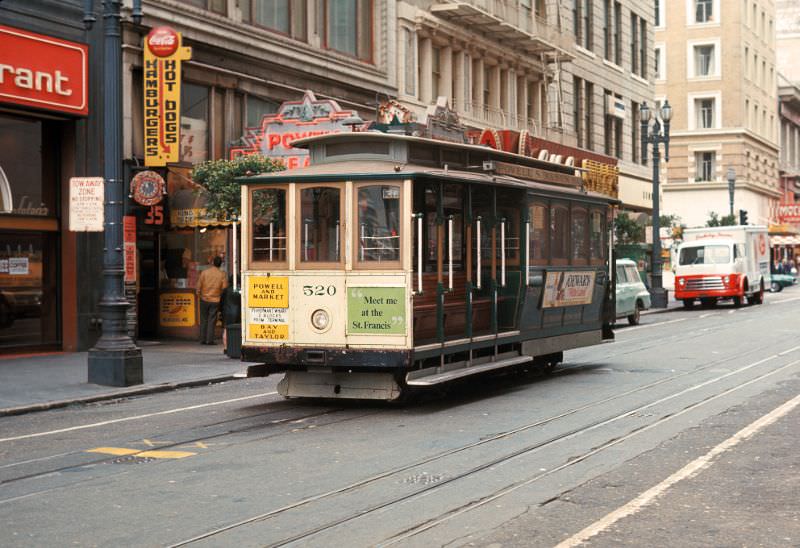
(539, 242)
(378, 223)
(508, 210)
(320, 225)
(268, 211)
(580, 243)
(597, 235)
(559, 234)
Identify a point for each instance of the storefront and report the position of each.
(43, 104)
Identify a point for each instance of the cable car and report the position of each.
(395, 262)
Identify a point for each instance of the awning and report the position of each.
(784, 240)
(187, 201)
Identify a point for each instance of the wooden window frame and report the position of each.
(584, 261)
(545, 260)
(559, 261)
(385, 265)
(266, 265)
(319, 265)
(603, 212)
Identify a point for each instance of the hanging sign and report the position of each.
(129, 247)
(147, 188)
(162, 95)
(86, 204)
(294, 120)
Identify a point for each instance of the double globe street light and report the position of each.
(652, 133)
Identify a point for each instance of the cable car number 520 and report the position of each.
(319, 290)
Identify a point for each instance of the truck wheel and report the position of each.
(688, 303)
(737, 301)
(757, 297)
(708, 302)
(634, 318)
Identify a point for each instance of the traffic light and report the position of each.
(742, 216)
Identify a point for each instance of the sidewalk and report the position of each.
(47, 381)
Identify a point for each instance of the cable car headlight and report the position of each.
(320, 320)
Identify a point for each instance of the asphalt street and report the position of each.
(681, 432)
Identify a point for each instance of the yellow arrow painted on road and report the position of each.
(120, 451)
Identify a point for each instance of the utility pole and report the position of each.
(115, 360)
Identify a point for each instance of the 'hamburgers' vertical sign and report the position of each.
(163, 54)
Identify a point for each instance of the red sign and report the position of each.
(295, 120)
(129, 247)
(789, 213)
(163, 41)
(43, 72)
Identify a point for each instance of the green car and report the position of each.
(779, 281)
(632, 296)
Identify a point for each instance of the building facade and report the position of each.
(717, 65)
(248, 58)
(570, 73)
(50, 76)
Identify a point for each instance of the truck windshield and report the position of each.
(708, 254)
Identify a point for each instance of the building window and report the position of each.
(219, 6)
(577, 109)
(705, 166)
(607, 22)
(588, 96)
(410, 48)
(704, 64)
(642, 48)
(659, 13)
(348, 27)
(194, 123)
(634, 43)
(617, 33)
(660, 68)
(635, 132)
(285, 16)
(436, 73)
(703, 11)
(704, 109)
(257, 108)
(582, 22)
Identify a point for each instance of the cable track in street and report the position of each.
(564, 369)
(505, 458)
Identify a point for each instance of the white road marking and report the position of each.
(687, 472)
(136, 417)
(708, 315)
(732, 311)
(783, 300)
(629, 329)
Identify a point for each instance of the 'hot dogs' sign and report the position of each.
(162, 95)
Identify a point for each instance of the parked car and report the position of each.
(632, 296)
(779, 281)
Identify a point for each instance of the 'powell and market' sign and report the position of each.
(294, 120)
(162, 95)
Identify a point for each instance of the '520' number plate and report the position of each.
(319, 290)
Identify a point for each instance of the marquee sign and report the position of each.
(789, 213)
(162, 95)
(294, 120)
(43, 72)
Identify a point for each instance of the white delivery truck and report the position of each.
(725, 262)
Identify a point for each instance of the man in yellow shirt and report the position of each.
(210, 284)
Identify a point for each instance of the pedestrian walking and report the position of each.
(210, 284)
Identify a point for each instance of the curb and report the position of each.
(117, 394)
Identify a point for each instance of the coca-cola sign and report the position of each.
(162, 41)
(789, 213)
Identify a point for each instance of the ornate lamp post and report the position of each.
(115, 360)
(653, 134)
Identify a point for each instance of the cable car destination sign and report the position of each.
(162, 95)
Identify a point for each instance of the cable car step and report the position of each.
(430, 380)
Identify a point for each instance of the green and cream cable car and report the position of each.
(395, 261)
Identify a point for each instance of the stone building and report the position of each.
(718, 62)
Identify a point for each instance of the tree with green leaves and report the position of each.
(715, 220)
(218, 178)
(627, 230)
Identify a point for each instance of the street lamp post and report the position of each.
(653, 134)
(731, 186)
(115, 359)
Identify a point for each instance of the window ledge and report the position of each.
(640, 79)
(613, 65)
(585, 51)
(704, 78)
